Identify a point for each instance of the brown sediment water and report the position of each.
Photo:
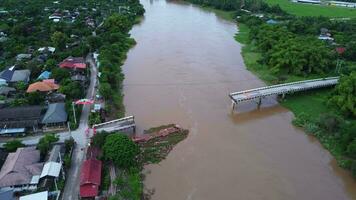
(185, 63)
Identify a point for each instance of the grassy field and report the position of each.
(313, 10)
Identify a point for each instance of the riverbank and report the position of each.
(309, 108)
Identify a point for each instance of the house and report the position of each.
(21, 170)
(44, 75)
(47, 85)
(73, 63)
(23, 56)
(78, 77)
(56, 16)
(7, 194)
(18, 120)
(52, 168)
(90, 22)
(90, 178)
(21, 75)
(36, 196)
(55, 97)
(10, 75)
(7, 91)
(271, 22)
(56, 116)
(3, 37)
(47, 49)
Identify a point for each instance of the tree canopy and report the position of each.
(344, 96)
(121, 150)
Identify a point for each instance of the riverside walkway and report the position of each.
(116, 125)
(280, 89)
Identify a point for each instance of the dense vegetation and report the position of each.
(28, 27)
(280, 47)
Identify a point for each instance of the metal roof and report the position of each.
(51, 169)
(7, 194)
(56, 113)
(21, 75)
(36, 196)
(20, 117)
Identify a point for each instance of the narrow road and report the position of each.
(71, 189)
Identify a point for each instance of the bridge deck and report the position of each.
(116, 125)
(282, 89)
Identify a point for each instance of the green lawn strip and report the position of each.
(300, 9)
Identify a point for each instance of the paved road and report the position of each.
(71, 190)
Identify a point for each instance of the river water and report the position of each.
(181, 70)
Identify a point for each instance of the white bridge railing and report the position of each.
(116, 125)
(281, 89)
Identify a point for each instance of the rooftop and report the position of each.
(42, 86)
(55, 113)
(19, 117)
(36, 196)
(20, 167)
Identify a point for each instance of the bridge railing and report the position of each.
(280, 85)
(129, 118)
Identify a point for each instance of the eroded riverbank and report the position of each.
(185, 63)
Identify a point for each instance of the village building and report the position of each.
(73, 63)
(10, 76)
(18, 120)
(47, 85)
(55, 116)
(55, 97)
(90, 178)
(36, 196)
(21, 170)
(7, 194)
(44, 75)
(23, 56)
(47, 49)
(53, 168)
(7, 91)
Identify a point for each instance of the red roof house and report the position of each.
(73, 63)
(90, 178)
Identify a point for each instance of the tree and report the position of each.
(73, 90)
(117, 23)
(344, 96)
(12, 145)
(351, 149)
(35, 98)
(21, 86)
(60, 74)
(59, 40)
(121, 150)
(94, 42)
(105, 90)
(45, 143)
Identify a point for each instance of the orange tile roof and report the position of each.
(42, 86)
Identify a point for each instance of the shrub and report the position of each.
(11, 146)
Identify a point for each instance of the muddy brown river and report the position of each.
(185, 63)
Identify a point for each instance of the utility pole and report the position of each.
(75, 118)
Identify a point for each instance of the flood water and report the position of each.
(181, 70)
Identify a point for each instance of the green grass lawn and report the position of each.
(312, 103)
(313, 10)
